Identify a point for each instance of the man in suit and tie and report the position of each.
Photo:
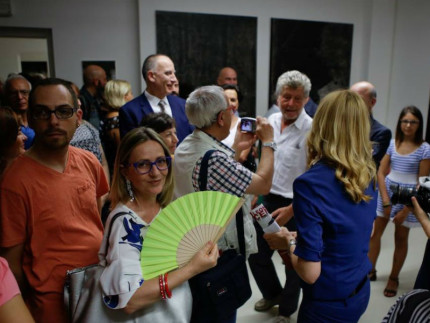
(379, 134)
(159, 73)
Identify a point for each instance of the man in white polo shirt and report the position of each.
(291, 126)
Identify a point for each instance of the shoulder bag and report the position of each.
(220, 291)
(83, 296)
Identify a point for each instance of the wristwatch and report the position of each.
(270, 144)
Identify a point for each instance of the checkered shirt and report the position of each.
(224, 175)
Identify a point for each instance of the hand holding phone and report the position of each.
(248, 124)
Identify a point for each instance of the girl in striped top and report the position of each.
(407, 158)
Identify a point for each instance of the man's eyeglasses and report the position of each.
(144, 166)
(24, 93)
(42, 113)
(231, 108)
(411, 122)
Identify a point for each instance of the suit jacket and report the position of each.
(380, 136)
(131, 114)
(311, 107)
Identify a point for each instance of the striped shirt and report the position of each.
(410, 307)
(410, 163)
(404, 171)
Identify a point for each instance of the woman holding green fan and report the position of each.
(143, 185)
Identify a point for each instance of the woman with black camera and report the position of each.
(407, 158)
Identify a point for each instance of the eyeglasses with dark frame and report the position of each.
(43, 113)
(16, 93)
(144, 166)
(411, 122)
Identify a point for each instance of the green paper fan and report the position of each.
(183, 228)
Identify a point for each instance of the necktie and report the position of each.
(161, 105)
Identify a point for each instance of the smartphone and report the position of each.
(248, 124)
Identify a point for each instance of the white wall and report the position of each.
(16, 50)
(410, 76)
(390, 44)
(399, 62)
(85, 30)
(344, 11)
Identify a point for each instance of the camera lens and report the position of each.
(402, 194)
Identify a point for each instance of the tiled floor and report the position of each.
(378, 304)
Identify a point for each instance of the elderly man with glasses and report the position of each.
(208, 110)
(50, 203)
(16, 91)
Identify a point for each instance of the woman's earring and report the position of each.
(129, 189)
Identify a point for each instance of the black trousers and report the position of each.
(263, 269)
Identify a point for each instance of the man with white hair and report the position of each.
(291, 126)
(208, 110)
(16, 91)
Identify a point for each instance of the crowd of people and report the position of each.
(72, 159)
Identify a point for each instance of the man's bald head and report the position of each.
(227, 75)
(367, 91)
(94, 75)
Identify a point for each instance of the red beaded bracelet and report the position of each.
(168, 292)
(162, 287)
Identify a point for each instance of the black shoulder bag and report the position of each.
(220, 291)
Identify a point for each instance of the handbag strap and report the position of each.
(203, 178)
(203, 175)
(116, 216)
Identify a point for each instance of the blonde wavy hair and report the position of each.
(340, 137)
(115, 91)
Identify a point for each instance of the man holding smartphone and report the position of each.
(208, 110)
(291, 126)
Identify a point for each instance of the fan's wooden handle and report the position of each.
(233, 214)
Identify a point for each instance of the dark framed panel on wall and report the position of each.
(321, 50)
(201, 44)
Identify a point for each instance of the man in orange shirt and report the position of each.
(50, 203)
